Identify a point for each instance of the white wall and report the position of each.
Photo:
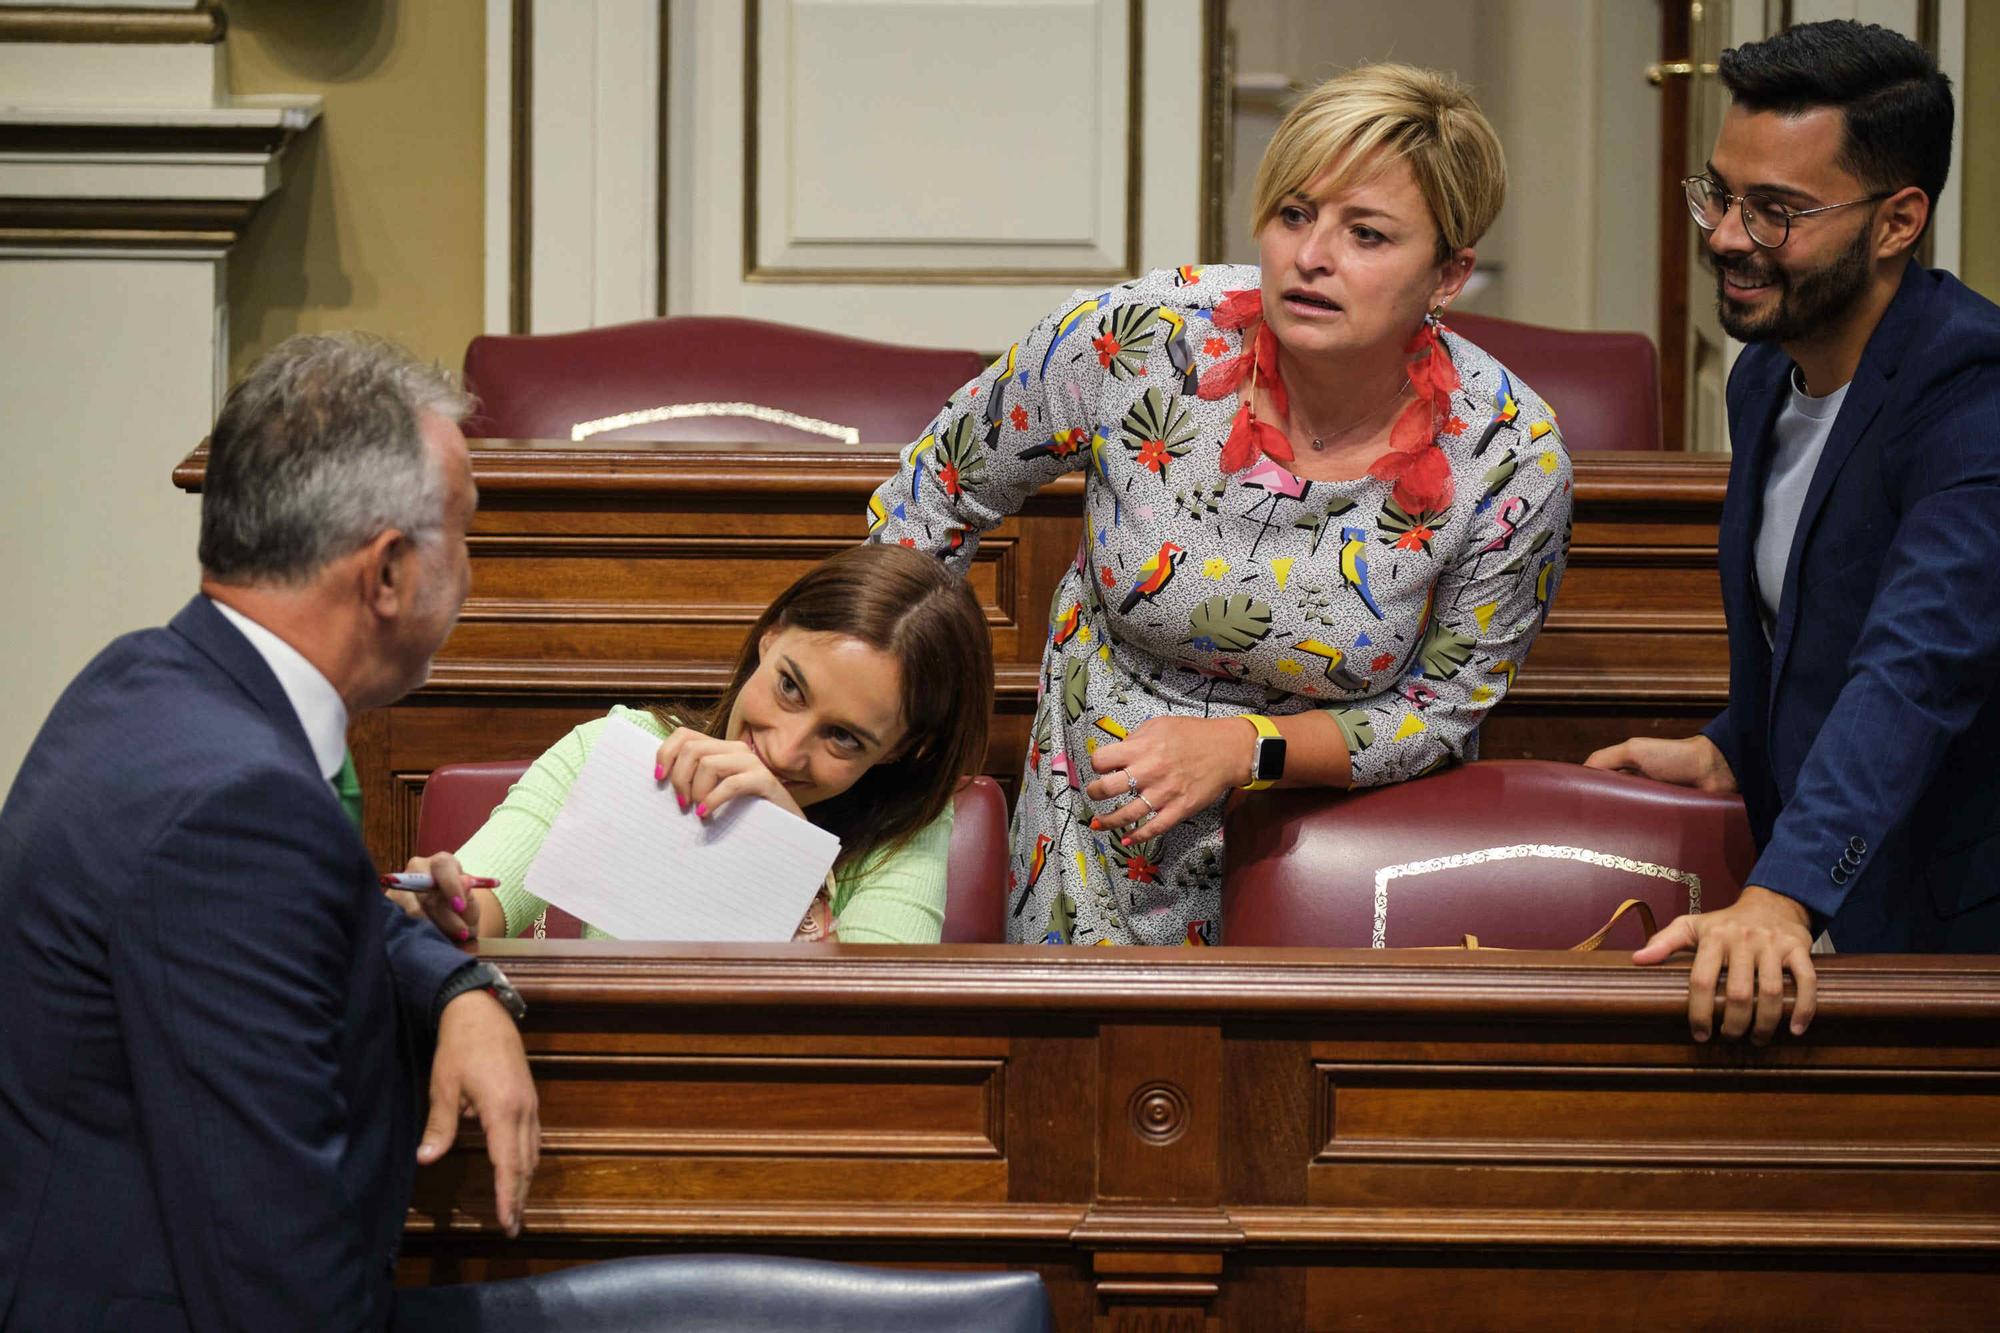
(105, 388)
(113, 340)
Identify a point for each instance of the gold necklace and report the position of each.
(1318, 440)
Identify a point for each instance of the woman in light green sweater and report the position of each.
(859, 700)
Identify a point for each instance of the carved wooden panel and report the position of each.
(1700, 1119)
(840, 180)
(1261, 1139)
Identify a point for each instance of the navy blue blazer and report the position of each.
(1866, 736)
(214, 1023)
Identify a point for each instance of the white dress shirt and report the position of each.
(313, 698)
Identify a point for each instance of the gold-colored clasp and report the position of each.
(1660, 71)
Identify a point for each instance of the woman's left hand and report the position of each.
(707, 773)
(1182, 765)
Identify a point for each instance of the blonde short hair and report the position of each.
(1427, 119)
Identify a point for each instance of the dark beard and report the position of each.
(1808, 303)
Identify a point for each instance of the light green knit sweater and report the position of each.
(890, 898)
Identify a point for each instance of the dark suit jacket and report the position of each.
(213, 1021)
(1866, 737)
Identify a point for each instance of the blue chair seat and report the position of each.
(731, 1293)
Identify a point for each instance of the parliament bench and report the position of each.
(1260, 1139)
(611, 571)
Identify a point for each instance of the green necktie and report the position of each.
(347, 786)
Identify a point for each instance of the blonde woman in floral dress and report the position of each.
(1316, 521)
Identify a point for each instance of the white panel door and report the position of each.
(930, 171)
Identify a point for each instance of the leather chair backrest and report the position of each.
(975, 901)
(731, 1293)
(724, 379)
(1523, 853)
(458, 798)
(1603, 387)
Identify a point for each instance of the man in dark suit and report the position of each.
(214, 1022)
(1860, 541)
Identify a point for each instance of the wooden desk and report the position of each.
(1263, 1139)
(628, 572)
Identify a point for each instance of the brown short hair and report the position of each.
(1425, 118)
(909, 606)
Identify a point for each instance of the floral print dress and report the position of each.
(1200, 594)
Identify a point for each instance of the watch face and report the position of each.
(503, 991)
(1270, 758)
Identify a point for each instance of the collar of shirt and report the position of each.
(1818, 407)
(312, 695)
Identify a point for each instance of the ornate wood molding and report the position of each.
(164, 224)
(183, 179)
(1013, 1224)
(1242, 1138)
(204, 25)
(108, 137)
(1700, 1229)
(1319, 985)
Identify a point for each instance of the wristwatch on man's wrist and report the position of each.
(1267, 761)
(479, 976)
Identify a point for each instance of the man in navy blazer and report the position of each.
(214, 1022)
(1860, 541)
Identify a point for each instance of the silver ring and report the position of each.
(1131, 784)
(1150, 811)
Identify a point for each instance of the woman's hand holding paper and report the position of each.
(706, 773)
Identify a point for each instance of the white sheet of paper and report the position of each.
(625, 857)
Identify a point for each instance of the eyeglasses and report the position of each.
(1767, 222)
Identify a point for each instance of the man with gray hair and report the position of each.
(214, 1020)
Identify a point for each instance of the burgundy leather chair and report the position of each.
(975, 878)
(456, 801)
(1523, 853)
(709, 379)
(458, 798)
(1603, 387)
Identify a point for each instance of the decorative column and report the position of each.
(1157, 1231)
(125, 177)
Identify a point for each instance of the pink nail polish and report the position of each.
(659, 773)
(464, 934)
(458, 904)
(701, 811)
(1124, 842)
(682, 799)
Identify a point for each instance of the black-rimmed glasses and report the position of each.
(1767, 222)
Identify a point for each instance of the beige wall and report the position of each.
(1979, 148)
(107, 373)
(379, 225)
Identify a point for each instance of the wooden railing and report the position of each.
(1262, 1139)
